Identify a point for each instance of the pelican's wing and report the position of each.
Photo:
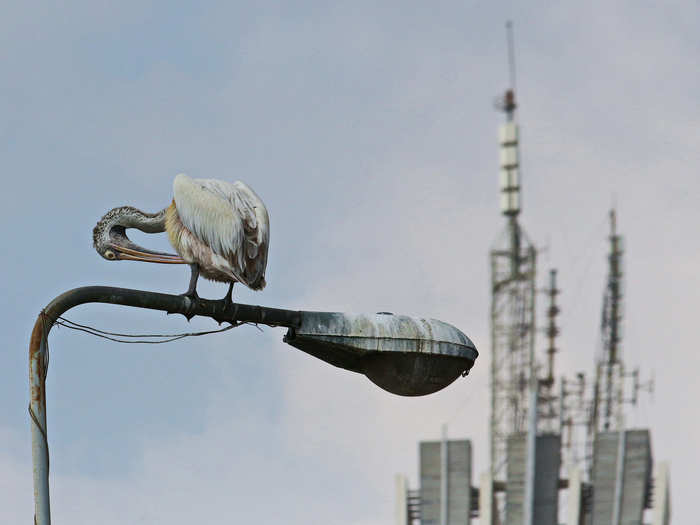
(231, 219)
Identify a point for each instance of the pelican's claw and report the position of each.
(192, 300)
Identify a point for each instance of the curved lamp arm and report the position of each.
(38, 354)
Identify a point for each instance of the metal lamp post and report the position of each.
(403, 355)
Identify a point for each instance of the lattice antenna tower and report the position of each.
(608, 396)
(611, 389)
(513, 267)
(585, 410)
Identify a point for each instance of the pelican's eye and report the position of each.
(109, 254)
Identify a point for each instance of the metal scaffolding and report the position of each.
(513, 271)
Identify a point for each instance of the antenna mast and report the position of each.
(511, 65)
(513, 272)
(609, 369)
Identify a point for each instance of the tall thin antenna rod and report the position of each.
(507, 102)
(511, 54)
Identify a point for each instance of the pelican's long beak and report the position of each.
(131, 254)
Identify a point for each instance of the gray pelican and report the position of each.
(220, 229)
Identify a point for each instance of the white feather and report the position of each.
(230, 219)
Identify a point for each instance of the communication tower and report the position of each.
(513, 272)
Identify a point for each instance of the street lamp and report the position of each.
(403, 355)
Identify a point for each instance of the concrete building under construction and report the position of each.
(560, 451)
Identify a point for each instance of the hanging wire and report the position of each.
(112, 336)
(137, 338)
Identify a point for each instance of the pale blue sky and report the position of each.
(370, 134)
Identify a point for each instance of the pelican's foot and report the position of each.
(193, 300)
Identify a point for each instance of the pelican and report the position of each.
(220, 229)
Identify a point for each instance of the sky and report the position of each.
(369, 131)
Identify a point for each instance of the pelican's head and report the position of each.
(110, 240)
